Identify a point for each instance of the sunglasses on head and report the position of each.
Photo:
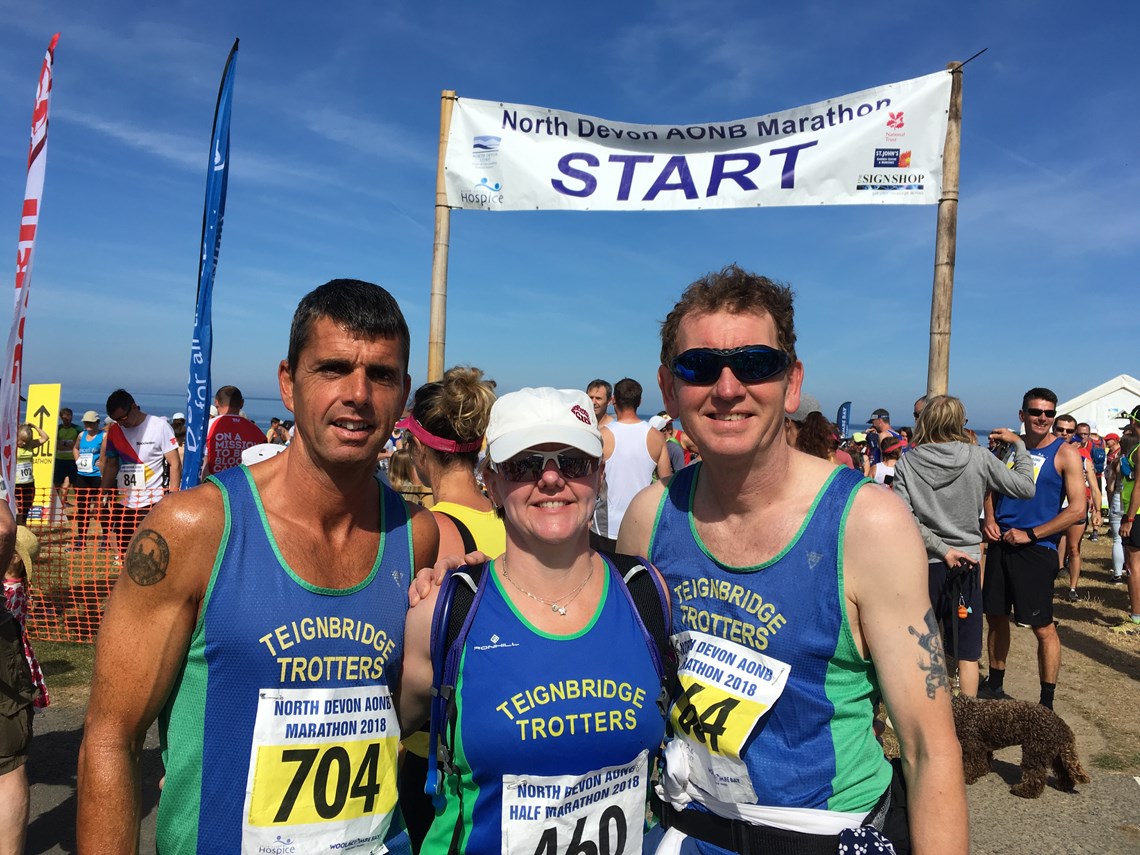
(750, 363)
(529, 467)
(1034, 411)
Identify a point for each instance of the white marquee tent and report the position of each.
(1102, 406)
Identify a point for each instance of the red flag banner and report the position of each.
(12, 379)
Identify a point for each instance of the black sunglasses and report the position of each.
(530, 467)
(750, 363)
(1064, 430)
(1034, 411)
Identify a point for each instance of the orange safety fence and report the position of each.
(82, 532)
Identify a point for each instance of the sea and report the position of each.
(258, 409)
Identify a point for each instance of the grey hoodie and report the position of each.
(945, 484)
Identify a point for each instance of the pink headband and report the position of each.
(437, 442)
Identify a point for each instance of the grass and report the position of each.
(65, 663)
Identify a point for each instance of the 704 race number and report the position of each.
(321, 783)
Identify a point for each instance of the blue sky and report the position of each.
(333, 153)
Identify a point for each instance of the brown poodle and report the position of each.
(984, 726)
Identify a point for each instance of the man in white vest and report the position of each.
(633, 452)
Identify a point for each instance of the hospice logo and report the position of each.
(484, 193)
(280, 846)
(892, 158)
(485, 150)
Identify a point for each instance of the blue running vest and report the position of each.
(555, 733)
(280, 733)
(1046, 502)
(776, 702)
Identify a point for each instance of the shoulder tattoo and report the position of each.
(934, 660)
(148, 557)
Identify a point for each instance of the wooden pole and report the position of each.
(437, 333)
(945, 244)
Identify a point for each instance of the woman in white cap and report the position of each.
(549, 694)
(88, 449)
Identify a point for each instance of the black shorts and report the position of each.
(1021, 577)
(1133, 539)
(16, 692)
(945, 597)
(64, 469)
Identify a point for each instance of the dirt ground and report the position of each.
(1097, 694)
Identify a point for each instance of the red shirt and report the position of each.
(226, 439)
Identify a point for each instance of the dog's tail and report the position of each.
(1067, 765)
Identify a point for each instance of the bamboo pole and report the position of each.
(945, 245)
(437, 332)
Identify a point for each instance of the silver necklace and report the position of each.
(557, 605)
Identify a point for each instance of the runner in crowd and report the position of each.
(634, 453)
(28, 438)
(735, 537)
(1069, 548)
(944, 480)
(87, 451)
(1129, 531)
(602, 397)
(65, 436)
(141, 459)
(1021, 561)
(557, 690)
(1112, 484)
(890, 450)
(262, 614)
(178, 425)
(16, 578)
(230, 433)
(445, 432)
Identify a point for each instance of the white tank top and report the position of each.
(628, 471)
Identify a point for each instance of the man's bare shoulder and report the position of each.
(637, 524)
(182, 531)
(877, 512)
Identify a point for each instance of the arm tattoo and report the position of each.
(931, 642)
(148, 557)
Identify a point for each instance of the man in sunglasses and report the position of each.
(141, 459)
(799, 596)
(1021, 562)
(1077, 435)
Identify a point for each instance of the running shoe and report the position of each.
(1073, 596)
(988, 694)
(1126, 627)
(1095, 536)
(1118, 578)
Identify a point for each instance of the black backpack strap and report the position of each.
(464, 533)
(650, 603)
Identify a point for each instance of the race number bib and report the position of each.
(322, 770)
(724, 690)
(24, 472)
(132, 476)
(86, 463)
(602, 811)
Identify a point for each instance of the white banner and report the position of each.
(878, 146)
(12, 377)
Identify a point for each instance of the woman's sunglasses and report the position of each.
(752, 363)
(530, 467)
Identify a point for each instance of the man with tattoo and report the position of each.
(799, 596)
(261, 617)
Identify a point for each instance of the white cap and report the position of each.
(530, 417)
(658, 422)
(178, 416)
(257, 453)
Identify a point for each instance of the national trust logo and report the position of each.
(895, 120)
